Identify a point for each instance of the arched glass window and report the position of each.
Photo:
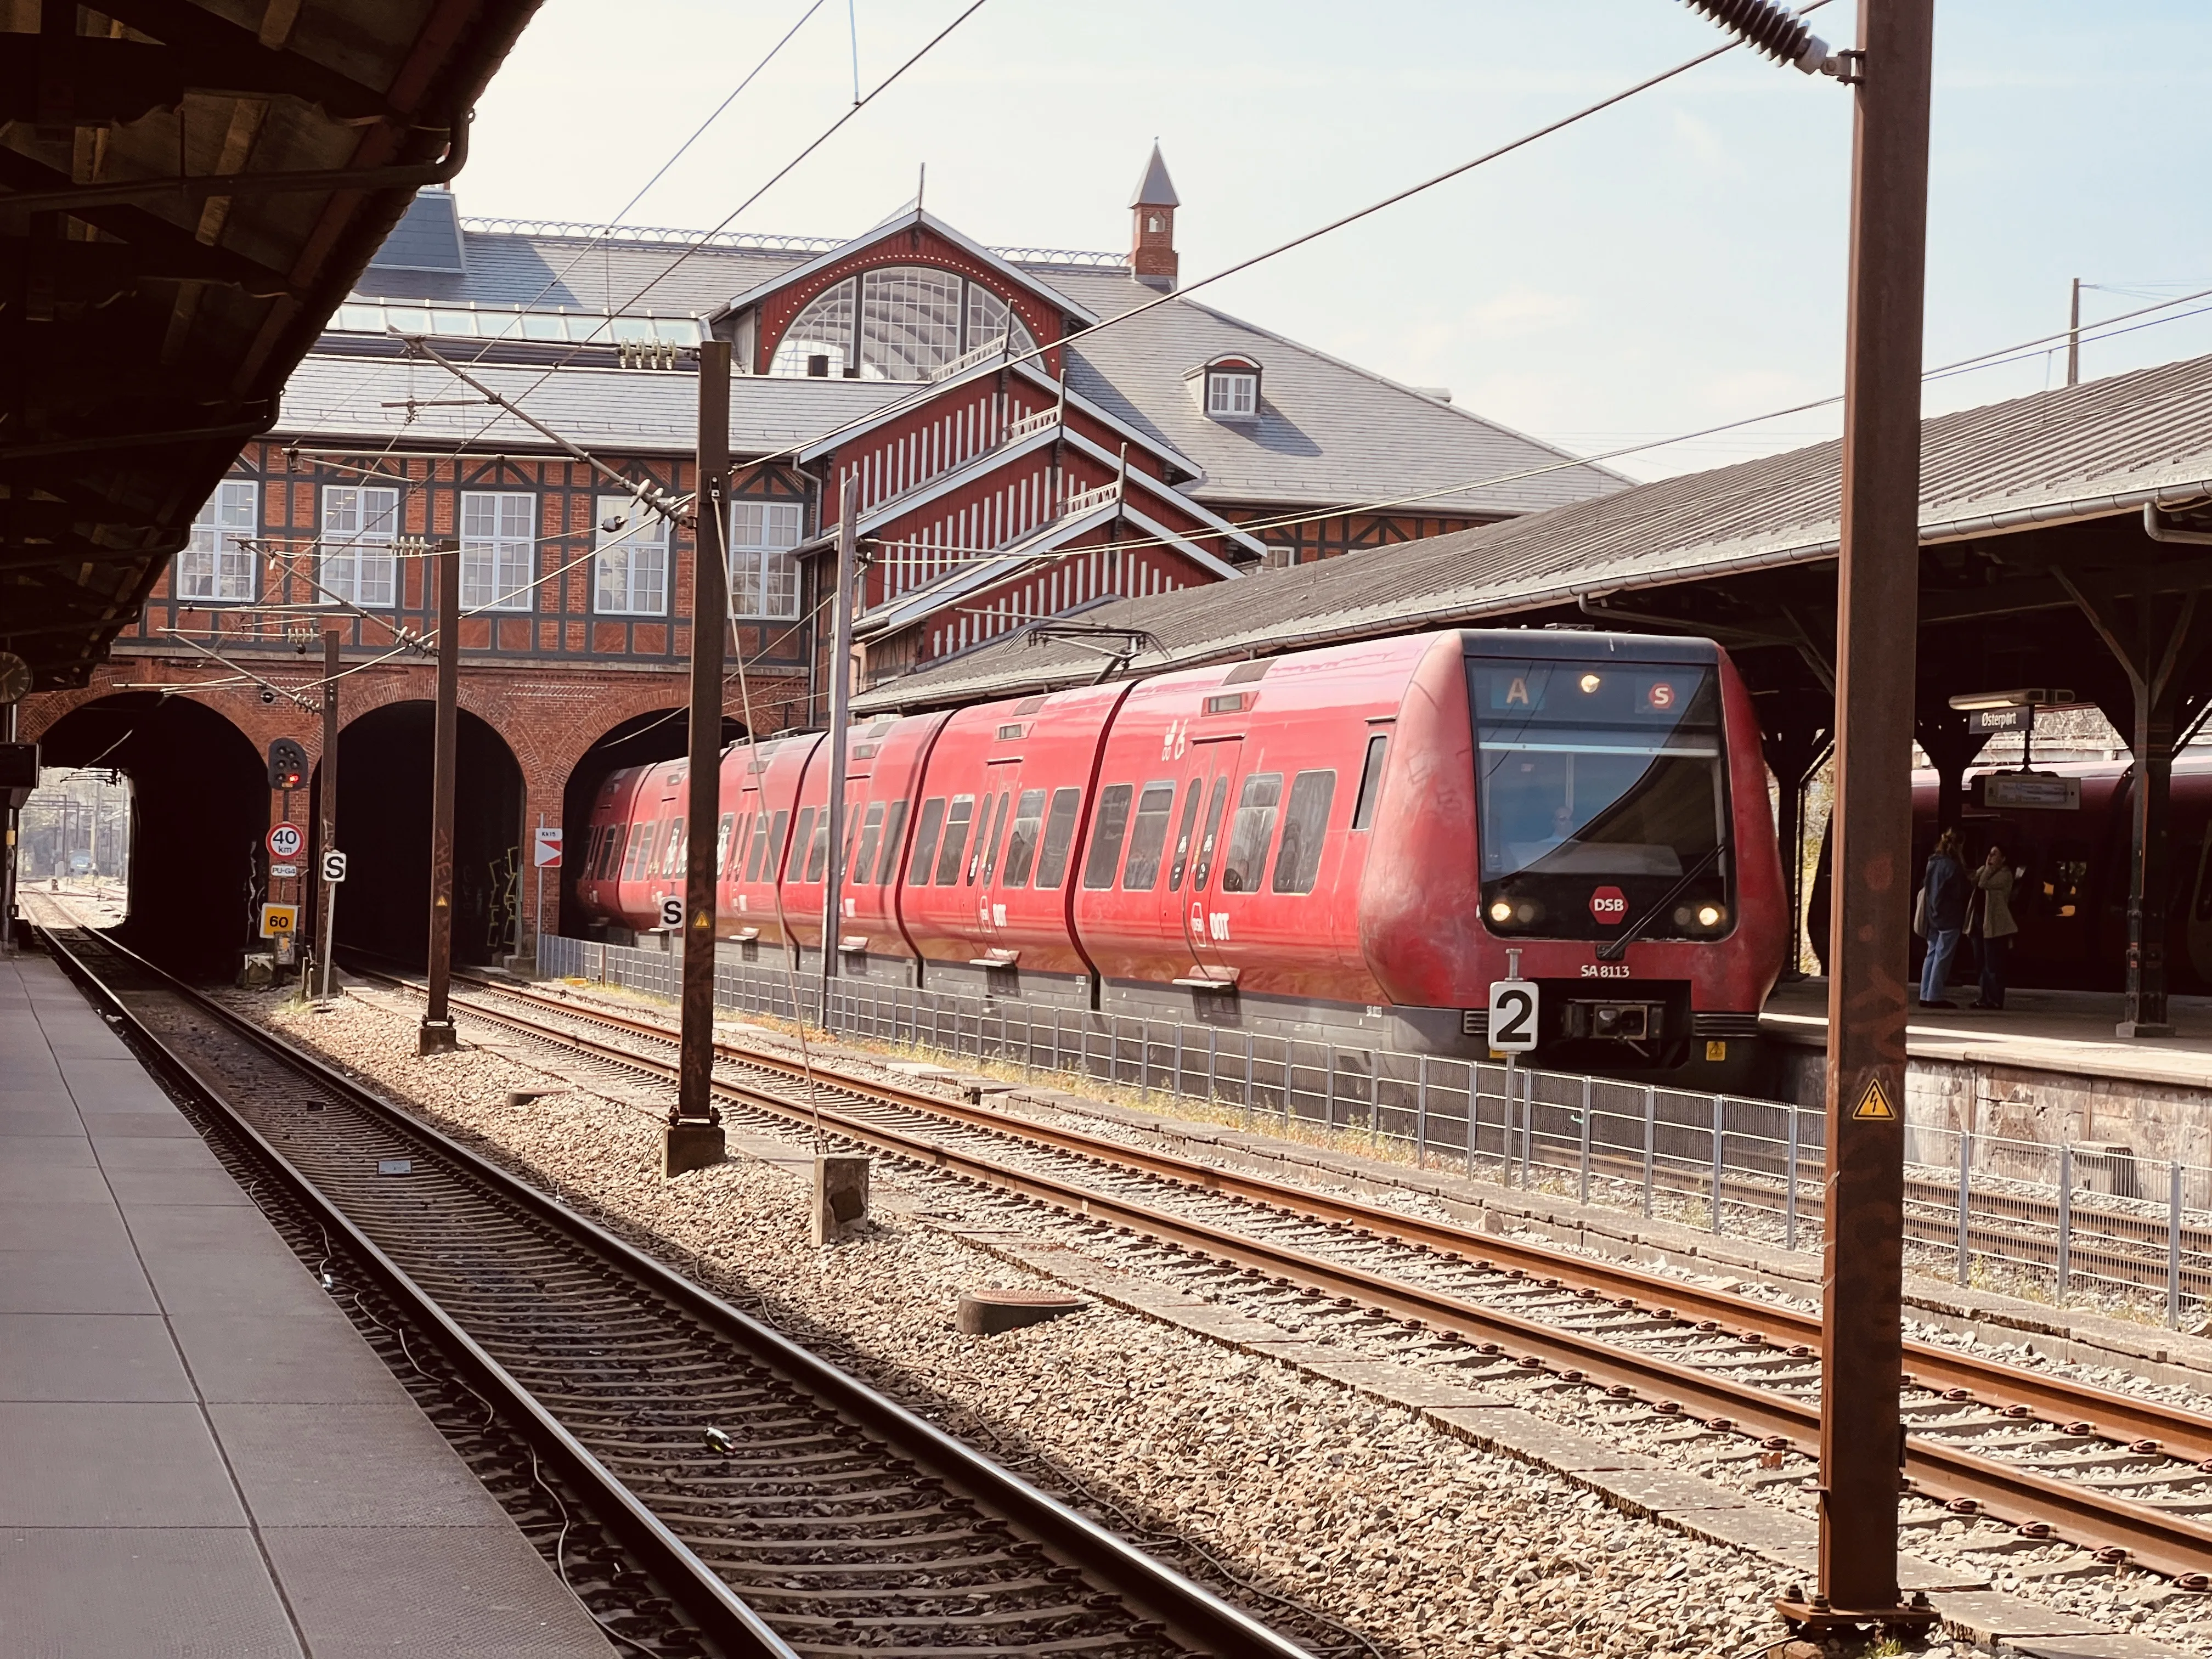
(902, 323)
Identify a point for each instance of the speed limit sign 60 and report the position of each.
(1513, 1006)
(285, 842)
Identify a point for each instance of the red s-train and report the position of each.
(1343, 841)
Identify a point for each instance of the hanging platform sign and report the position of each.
(2033, 791)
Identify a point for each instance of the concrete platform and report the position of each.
(202, 1455)
(2061, 1031)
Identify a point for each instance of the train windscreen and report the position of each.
(1603, 798)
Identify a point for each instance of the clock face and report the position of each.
(14, 677)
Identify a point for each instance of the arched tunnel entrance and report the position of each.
(384, 825)
(200, 809)
(661, 735)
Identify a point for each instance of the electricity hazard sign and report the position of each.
(545, 848)
(285, 842)
(279, 920)
(1874, 1104)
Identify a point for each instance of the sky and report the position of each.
(1675, 262)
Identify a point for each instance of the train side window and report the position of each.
(1148, 838)
(1370, 782)
(1305, 828)
(925, 843)
(871, 835)
(1106, 835)
(1213, 811)
(610, 848)
(799, 839)
(759, 858)
(776, 843)
(722, 844)
(1189, 828)
(1021, 849)
(958, 819)
(852, 840)
(894, 836)
(641, 849)
(671, 857)
(818, 850)
(1058, 837)
(1257, 803)
(997, 835)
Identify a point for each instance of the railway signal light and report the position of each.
(288, 765)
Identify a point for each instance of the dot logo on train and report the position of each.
(1334, 847)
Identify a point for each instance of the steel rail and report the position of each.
(733, 1626)
(2110, 1414)
(2165, 1542)
(1190, 1614)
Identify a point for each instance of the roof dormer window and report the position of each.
(1228, 388)
(1231, 392)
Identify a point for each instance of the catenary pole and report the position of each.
(1861, 1438)
(841, 698)
(326, 797)
(694, 1136)
(436, 1034)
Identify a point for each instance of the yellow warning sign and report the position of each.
(277, 920)
(1873, 1103)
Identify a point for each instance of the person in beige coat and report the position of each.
(1995, 878)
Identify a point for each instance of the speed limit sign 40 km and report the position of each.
(1513, 1009)
(285, 842)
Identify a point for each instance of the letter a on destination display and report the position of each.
(1873, 1103)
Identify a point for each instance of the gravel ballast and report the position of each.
(1401, 1537)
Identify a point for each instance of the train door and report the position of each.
(1002, 780)
(2196, 925)
(1202, 818)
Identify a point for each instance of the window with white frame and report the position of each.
(1231, 393)
(632, 559)
(764, 570)
(218, 564)
(360, 523)
(498, 548)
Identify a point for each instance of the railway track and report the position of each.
(2021, 1455)
(777, 1507)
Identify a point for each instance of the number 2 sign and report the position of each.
(1513, 1005)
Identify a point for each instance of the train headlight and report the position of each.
(1710, 916)
(1527, 911)
(1501, 913)
(1589, 683)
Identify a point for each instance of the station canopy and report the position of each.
(184, 199)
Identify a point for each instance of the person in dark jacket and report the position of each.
(1944, 895)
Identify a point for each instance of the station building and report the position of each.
(1031, 432)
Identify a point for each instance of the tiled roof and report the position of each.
(346, 397)
(2080, 452)
(1330, 434)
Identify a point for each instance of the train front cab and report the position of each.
(1554, 790)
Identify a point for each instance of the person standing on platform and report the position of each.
(1995, 878)
(1944, 896)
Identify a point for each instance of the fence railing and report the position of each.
(2007, 1213)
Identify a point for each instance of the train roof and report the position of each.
(2076, 452)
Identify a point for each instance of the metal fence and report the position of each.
(2021, 1216)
